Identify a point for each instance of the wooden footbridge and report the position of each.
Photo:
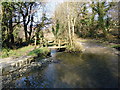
(56, 47)
(59, 45)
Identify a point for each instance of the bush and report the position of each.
(5, 53)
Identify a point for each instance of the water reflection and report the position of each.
(89, 70)
(85, 70)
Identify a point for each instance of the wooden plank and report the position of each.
(56, 47)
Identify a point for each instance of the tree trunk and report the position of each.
(25, 29)
(35, 41)
(73, 26)
(69, 31)
(11, 36)
(31, 25)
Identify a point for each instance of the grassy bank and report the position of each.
(15, 53)
(27, 50)
(40, 52)
(117, 46)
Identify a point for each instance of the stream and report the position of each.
(96, 67)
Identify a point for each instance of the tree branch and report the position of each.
(28, 20)
(17, 24)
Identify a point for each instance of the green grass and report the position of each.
(117, 46)
(39, 52)
(15, 53)
(28, 50)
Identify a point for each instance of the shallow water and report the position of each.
(96, 67)
(73, 70)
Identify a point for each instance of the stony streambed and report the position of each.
(34, 65)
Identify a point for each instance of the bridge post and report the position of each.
(59, 44)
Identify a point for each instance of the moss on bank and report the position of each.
(42, 52)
